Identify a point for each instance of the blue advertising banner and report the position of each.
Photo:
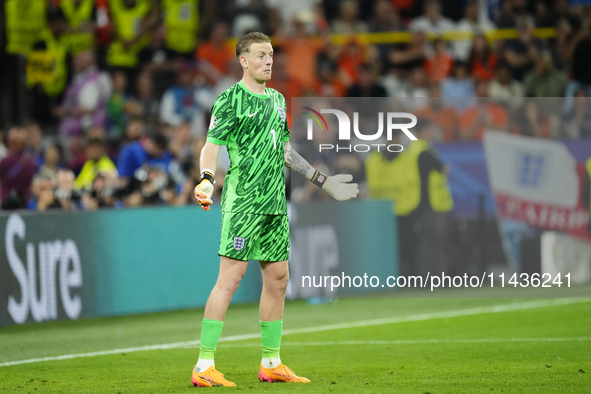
(68, 265)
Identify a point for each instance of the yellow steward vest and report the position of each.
(48, 67)
(181, 20)
(127, 23)
(76, 17)
(91, 169)
(25, 19)
(399, 180)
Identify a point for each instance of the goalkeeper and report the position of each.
(250, 120)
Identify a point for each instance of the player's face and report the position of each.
(259, 61)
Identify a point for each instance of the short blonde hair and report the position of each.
(244, 42)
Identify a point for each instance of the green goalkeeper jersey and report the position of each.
(253, 127)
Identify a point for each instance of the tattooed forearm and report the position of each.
(296, 162)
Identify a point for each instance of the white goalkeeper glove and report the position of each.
(337, 186)
(204, 190)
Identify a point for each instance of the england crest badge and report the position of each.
(238, 243)
(281, 111)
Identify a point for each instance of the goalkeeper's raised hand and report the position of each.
(337, 186)
(204, 190)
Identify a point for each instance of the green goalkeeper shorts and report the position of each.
(248, 236)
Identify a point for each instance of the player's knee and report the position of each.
(229, 283)
(229, 287)
(281, 281)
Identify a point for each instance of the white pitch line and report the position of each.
(364, 323)
(416, 342)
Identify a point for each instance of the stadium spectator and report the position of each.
(392, 80)
(178, 104)
(475, 22)
(385, 18)
(482, 61)
(545, 80)
(562, 43)
(53, 161)
(135, 130)
(412, 56)
(431, 215)
(81, 17)
(42, 193)
(486, 114)
(117, 106)
(145, 104)
(366, 85)
(103, 190)
(33, 144)
(213, 55)
(149, 150)
(282, 12)
(181, 23)
(252, 15)
(507, 90)
(408, 8)
(421, 197)
(180, 143)
(530, 121)
(348, 21)
(522, 53)
(580, 62)
(511, 12)
(66, 197)
(459, 87)
(16, 171)
(133, 21)
(436, 112)
(438, 66)
(351, 57)
(47, 71)
(542, 17)
(432, 21)
(301, 50)
(3, 148)
(18, 41)
(576, 121)
(328, 82)
(415, 89)
(85, 100)
(563, 11)
(154, 56)
(97, 162)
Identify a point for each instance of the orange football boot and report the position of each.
(280, 373)
(209, 378)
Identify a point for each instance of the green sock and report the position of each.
(271, 338)
(211, 330)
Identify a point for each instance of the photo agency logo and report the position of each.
(344, 132)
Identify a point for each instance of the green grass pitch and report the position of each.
(419, 346)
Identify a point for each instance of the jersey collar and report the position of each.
(254, 94)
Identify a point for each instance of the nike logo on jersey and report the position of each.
(251, 115)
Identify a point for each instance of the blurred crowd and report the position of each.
(116, 104)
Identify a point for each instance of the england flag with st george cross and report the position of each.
(537, 182)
